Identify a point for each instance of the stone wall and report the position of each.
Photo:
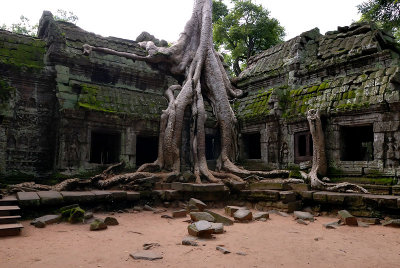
(351, 75)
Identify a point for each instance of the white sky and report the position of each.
(166, 18)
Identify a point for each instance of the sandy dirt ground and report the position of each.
(279, 242)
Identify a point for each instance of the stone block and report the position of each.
(288, 207)
(166, 186)
(50, 198)
(320, 197)
(78, 197)
(220, 218)
(398, 202)
(381, 201)
(396, 189)
(335, 198)
(306, 195)
(133, 196)
(260, 195)
(354, 200)
(230, 210)
(268, 186)
(119, 195)
(187, 187)
(237, 186)
(28, 199)
(287, 196)
(209, 187)
(378, 189)
(101, 195)
(177, 186)
(299, 187)
(170, 195)
(179, 213)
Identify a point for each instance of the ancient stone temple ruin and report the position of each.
(65, 112)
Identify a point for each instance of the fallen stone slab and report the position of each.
(201, 216)
(347, 218)
(220, 218)
(111, 221)
(201, 229)
(47, 219)
(28, 199)
(279, 213)
(260, 215)
(148, 246)
(179, 213)
(218, 227)
(392, 223)
(200, 205)
(189, 241)
(147, 255)
(39, 224)
(223, 250)
(362, 224)
(370, 221)
(243, 215)
(50, 198)
(306, 216)
(98, 225)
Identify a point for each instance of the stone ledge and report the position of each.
(78, 197)
(50, 198)
(28, 199)
(260, 195)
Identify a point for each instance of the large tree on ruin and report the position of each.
(194, 57)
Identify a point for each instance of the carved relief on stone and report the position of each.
(391, 151)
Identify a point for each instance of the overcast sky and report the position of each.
(166, 18)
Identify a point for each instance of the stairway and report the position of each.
(9, 225)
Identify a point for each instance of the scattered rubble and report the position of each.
(305, 216)
(111, 221)
(243, 215)
(347, 218)
(97, 225)
(223, 250)
(146, 255)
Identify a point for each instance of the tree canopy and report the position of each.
(244, 30)
(385, 12)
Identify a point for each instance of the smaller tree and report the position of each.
(245, 30)
(67, 16)
(386, 13)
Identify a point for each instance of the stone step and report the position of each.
(10, 229)
(8, 210)
(8, 201)
(9, 219)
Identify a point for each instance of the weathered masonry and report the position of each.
(62, 111)
(351, 75)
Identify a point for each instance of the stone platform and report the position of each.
(292, 197)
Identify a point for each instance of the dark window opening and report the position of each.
(303, 147)
(357, 143)
(1, 119)
(252, 146)
(146, 150)
(212, 147)
(105, 147)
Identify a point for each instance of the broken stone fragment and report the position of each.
(300, 221)
(88, 215)
(260, 215)
(48, 219)
(223, 250)
(347, 218)
(392, 223)
(217, 227)
(97, 225)
(230, 210)
(146, 255)
(189, 241)
(243, 215)
(305, 216)
(39, 224)
(220, 218)
(201, 216)
(200, 229)
(148, 208)
(332, 225)
(193, 202)
(111, 221)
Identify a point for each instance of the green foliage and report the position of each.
(24, 26)
(245, 30)
(386, 13)
(5, 91)
(220, 10)
(66, 16)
